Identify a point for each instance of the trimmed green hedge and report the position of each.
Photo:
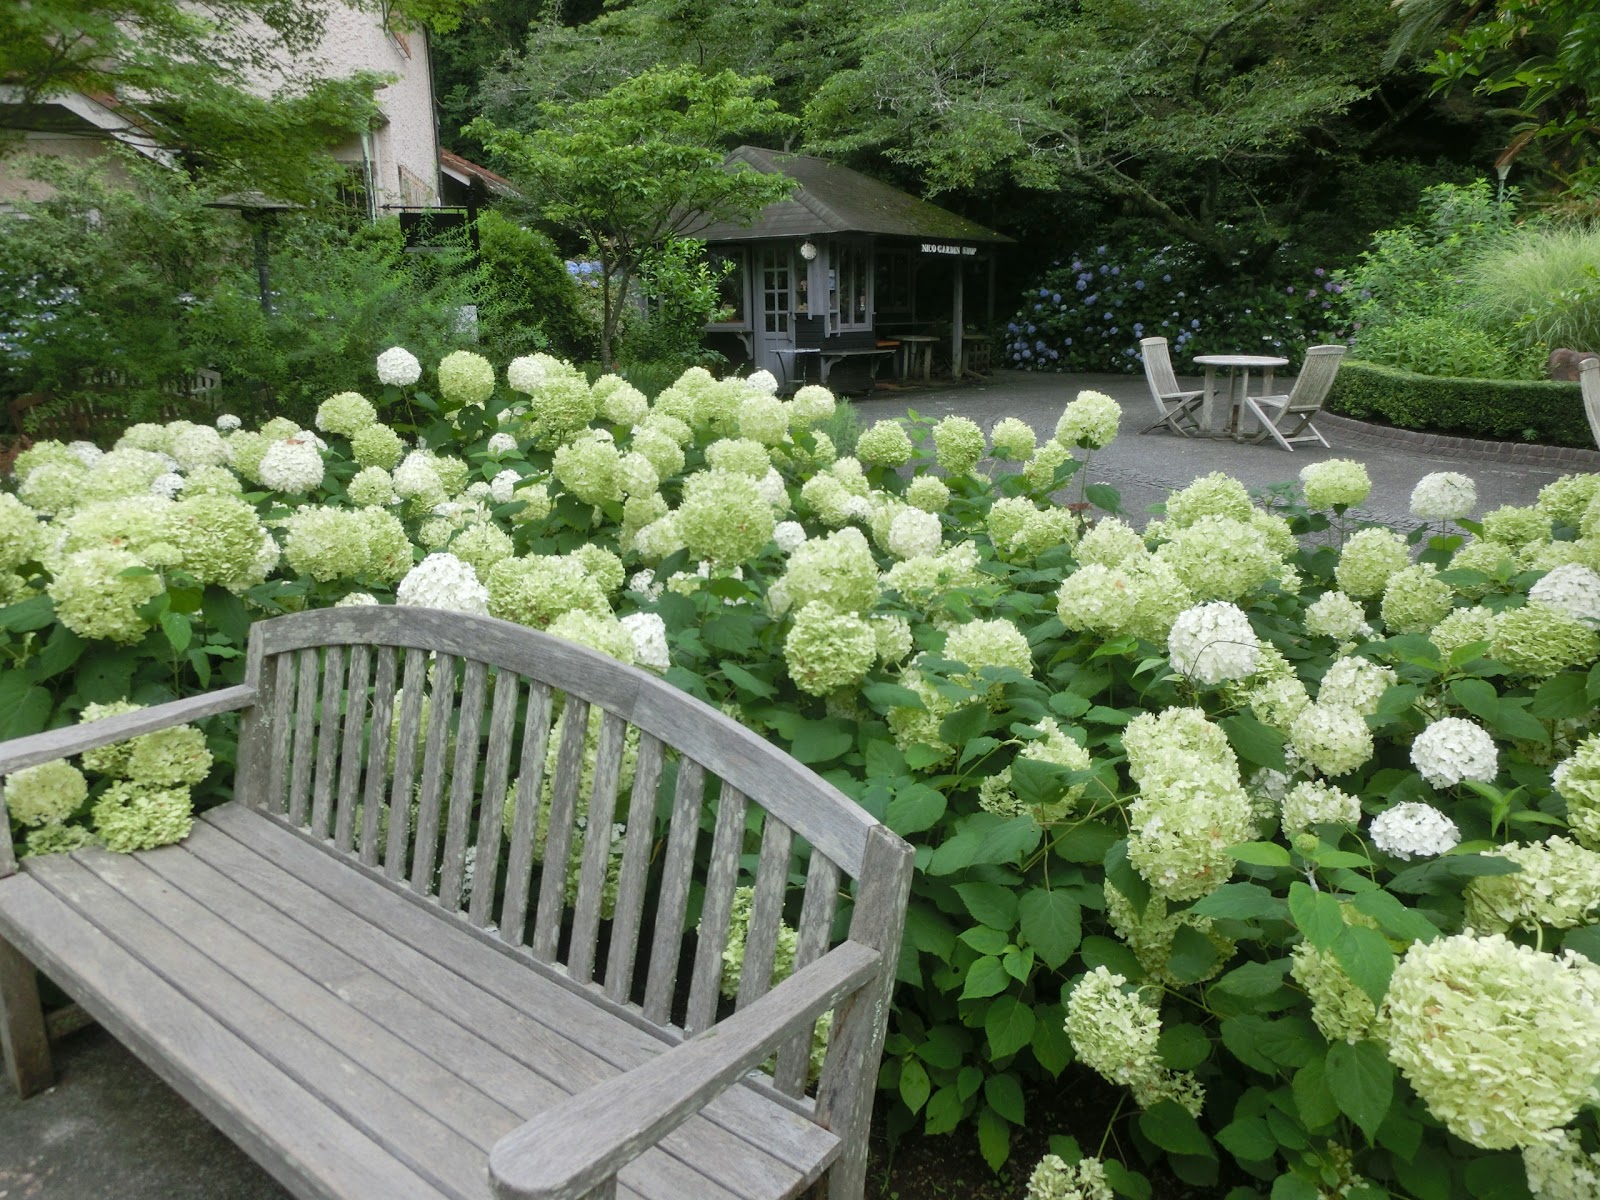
(1495, 409)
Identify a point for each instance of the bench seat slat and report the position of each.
(324, 1070)
(259, 1106)
(786, 1135)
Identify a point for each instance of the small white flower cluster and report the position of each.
(1213, 642)
(1572, 589)
(227, 422)
(649, 633)
(1054, 1179)
(1412, 829)
(1335, 615)
(398, 367)
(501, 443)
(1443, 496)
(293, 465)
(443, 581)
(1310, 803)
(1453, 749)
(915, 532)
(503, 487)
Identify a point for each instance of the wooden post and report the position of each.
(957, 319)
(24, 1044)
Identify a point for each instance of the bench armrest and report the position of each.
(75, 739)
(576, 1149)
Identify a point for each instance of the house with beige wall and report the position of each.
(397, 161)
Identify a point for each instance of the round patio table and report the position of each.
(1239, 367)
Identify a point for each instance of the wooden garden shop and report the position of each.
(850, 274)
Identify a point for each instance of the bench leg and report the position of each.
(23, 1041)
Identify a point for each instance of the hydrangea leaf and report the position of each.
(1009, 842)
(914, 1085)
(990, 903)
(1394, 916)
(1241, 901)
(821, 741)
(1254, 742)
(1052, 1048)
(884, 696)
(1004, 1094)
(1052, 923)
(1248, 1139)
(915, 807)
(1561, 698)
(943, 1112)
(1169, 1125)
(1476, 696)
(1183, 1047)
(987, 977)
(1193, 955)
(1121, 875)
(1312, 1099)
(1260, 854)
(745, 681)
(1316, 914)
(28, 615)
(1360, 1078)
(994, 1138)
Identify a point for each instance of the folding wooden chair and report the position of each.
(1177, 408)
(1589, 382)
(1287, 419)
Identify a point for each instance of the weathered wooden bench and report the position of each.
(365, 971)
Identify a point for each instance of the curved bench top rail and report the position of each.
(790, 791)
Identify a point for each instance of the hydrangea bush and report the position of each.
(1294, 841)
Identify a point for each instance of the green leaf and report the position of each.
(986, 977)
(1039, 783)
(1114, 955)
(1010, 841)
(1103, 495)
(1248, 1139)
(1101, 715)
(24, 708)
(1316, 914)
(1292, 1187)
(985, 940)
(1254, 979)
(914, 808)
(943, 1047)
(956, 853)
(179, 630)
(1072, 706)
(1051, 1045)
(964, 724)
(1004, 1095)
(1120, 874)
(1365, 956)
(1183, 1046)
(733, 633)
(943, 1112)
(1192, 955)
(1361, 1080)
(1169, 1125)
(1477, 696)
(1497, 1177)
(1316, 1104)
(989, 903)
(26, 616)
(1254, 742)
(1087, 843)
(994, 1138)
(914, 1085)
(1009, 1025)
(1240, 1035)
(745, 681)
(226, 613)
(61, 651)
(928, 932)
(1241, 901)
(1260, 854)
(1126, 1183)
(1444, 873)
(1052, 923)
(820, 741)
(977, 748)
(968, 1082)
(1561, 698)
(884, 696)
(1584, 940)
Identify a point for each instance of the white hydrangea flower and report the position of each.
(167, 484)
(649, 633)
(416, 476)
(1453, 749)
(85, 452)
(501, 443)
(399, 367)
(1309, 803)
(790, 536)
(1443, 496)
(356, 600)
(1357, 682)
(503, 487)
(1573, 589)
(293, 465)
(764, 382)
(772, 489)
(227, 422)
(1213, 642)
(644, 582)
(526, 374)
(915, 532)
(1558, 1169)
(443, 581)
(1414, 830)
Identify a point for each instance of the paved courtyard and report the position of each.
(110, 1130)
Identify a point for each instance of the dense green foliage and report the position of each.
(1205, 809)
(1532, 410)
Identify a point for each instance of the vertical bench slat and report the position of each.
(378, 754)
(305, 711)
(350, 757)
(558, 835)
(405, 763)
(250, 774)
(673, 900)
(463, 785)
(491, 809)
(722, 873)
(283, 692)
(816, 934)
(626, 920)
(766, 914)
(597, 846)
(441, 705)
(327, 741)
(525, 820)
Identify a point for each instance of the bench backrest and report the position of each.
(563, 803)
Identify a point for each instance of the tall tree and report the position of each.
(629, 170)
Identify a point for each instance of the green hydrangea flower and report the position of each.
(325, 542)
(130, 816)
(122, 473)
(598, 631)
(743, 455)
(168, 757)
(1415, 599)
(763, 419)
(837, 570)
(535, 499)
(1045, 529)
(811, 406)
(1516, 525)
(1116, 1033)
(663, 453)
(1054, 1178)
(1215, 495)
(1461, 627)
(1540, 640)
(480, 546)
(127, 524)
(723, 517)
(1013, 439)
(618, 401)
(1335, 483)
(994, 643)
(1577, 779)
(389, 551)
(957, 444)
(113, 759)
(1566, 499)
(1090, 420)
(560, 407)
(45, 452)
(1558, 887)
(1150, 935)
(827, 649)
(929, 493)
(590, 469)
(537, 589)
(1369, 557)
(95, 599)
(371, 487)
(57, 839)
(53, 488)
(1110, 542)
(22, 537)
(211, 481)
(1333, 738)
(893, 634)
(345, 413)
(1341, 1010)
(885, 444)
(376, 445)
(1040, 470)
(46, 794)
(1218, 558)
(1335, 615)
(465, 378)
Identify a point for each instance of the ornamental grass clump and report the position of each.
(1234, 765)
